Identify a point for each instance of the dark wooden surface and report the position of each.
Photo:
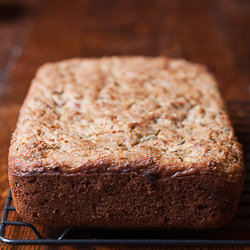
(215, 33)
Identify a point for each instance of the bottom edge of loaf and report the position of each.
(124, 200)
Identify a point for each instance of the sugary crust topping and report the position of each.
(124, 114)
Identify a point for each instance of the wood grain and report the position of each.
(215, 33)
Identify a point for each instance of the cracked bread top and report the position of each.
(125, 114)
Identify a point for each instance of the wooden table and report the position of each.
(215, 33)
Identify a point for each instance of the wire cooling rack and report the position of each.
(17, 232)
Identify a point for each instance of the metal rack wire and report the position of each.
(237, 233)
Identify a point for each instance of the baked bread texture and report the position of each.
(125, 142)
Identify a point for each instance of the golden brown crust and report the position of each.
(150, 136)
(125, 113)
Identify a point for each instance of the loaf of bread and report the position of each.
(125, 142)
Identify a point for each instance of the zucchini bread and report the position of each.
(125, 142)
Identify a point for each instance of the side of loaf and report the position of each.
(125, 142)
